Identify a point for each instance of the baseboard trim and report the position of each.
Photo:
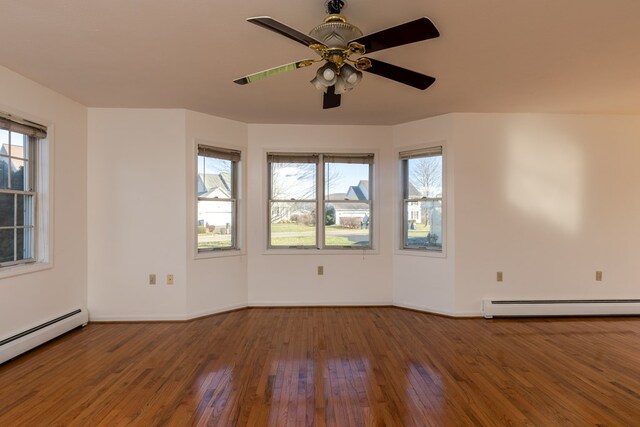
(215, 312)
(275, 304)
(427, 310)
(287, 304)
(160, 319)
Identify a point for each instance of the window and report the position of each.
(18, 148)
(422, 199)
(216, 192)
(333, 187)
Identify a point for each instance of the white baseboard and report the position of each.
(40, 336)
(162, 318)
(318, 304)
(274, 304)
(218, 310)
(430, 310)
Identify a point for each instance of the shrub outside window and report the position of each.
(422, 199)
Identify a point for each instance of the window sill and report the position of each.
(421, 253)
(20, 269)
(218, 254)
(314, 251)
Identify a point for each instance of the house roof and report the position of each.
(209, 183)
(543, 56)
(358, 192)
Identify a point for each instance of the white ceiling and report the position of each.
(555, 56)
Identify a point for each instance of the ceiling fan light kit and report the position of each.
(336, 41)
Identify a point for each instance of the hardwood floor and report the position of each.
(331, 366)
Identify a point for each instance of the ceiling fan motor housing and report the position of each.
(335, 32)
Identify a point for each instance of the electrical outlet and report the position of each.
(598, 276)
(169, 279)
(499, 276)
(152, 279)
(320, 270)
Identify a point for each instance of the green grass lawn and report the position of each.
(311, 241)
(292, 234)
(214, 244)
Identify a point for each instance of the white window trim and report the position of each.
(398, 239)
(375, 207)
(193, 209)
(44, 215)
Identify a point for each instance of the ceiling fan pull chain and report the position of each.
(334, 6)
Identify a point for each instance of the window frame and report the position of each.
(34, 136)
(404, 157)
(320, 200)
(235, 157)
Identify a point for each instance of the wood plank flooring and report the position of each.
(334, 367)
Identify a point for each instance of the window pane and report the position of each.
(18, 175)
(6, 245)
(293, 181)
(4, 172)
(347, 224)
(4, 142)
(215, 224)
(25, 210)
(23, 243)
(18, 142)
(423, 224)
(348, 181)
(214, 178)
(293, 224)
(7, 210)
(425, 177)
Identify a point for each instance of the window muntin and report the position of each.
(216, 199)
(336, 185)
(17, 190)
(422, 199)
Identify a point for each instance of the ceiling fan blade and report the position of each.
(409, 32)
(330, 99)
(273, 71)
(271, 24)
(399, 74)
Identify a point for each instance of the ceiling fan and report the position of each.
(336, 41)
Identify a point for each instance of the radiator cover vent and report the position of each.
(17, 344)
(560, 307)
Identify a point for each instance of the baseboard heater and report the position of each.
(24, 341)
(569, 307)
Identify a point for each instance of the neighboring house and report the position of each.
(414, 213)
(212, 213)
(359, 192)
(360, 211)
(421, 213)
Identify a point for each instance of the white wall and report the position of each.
(216, 282)
(33, 298)
(420, 280)
(290, 277)
(137, 214)
(548, 200)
